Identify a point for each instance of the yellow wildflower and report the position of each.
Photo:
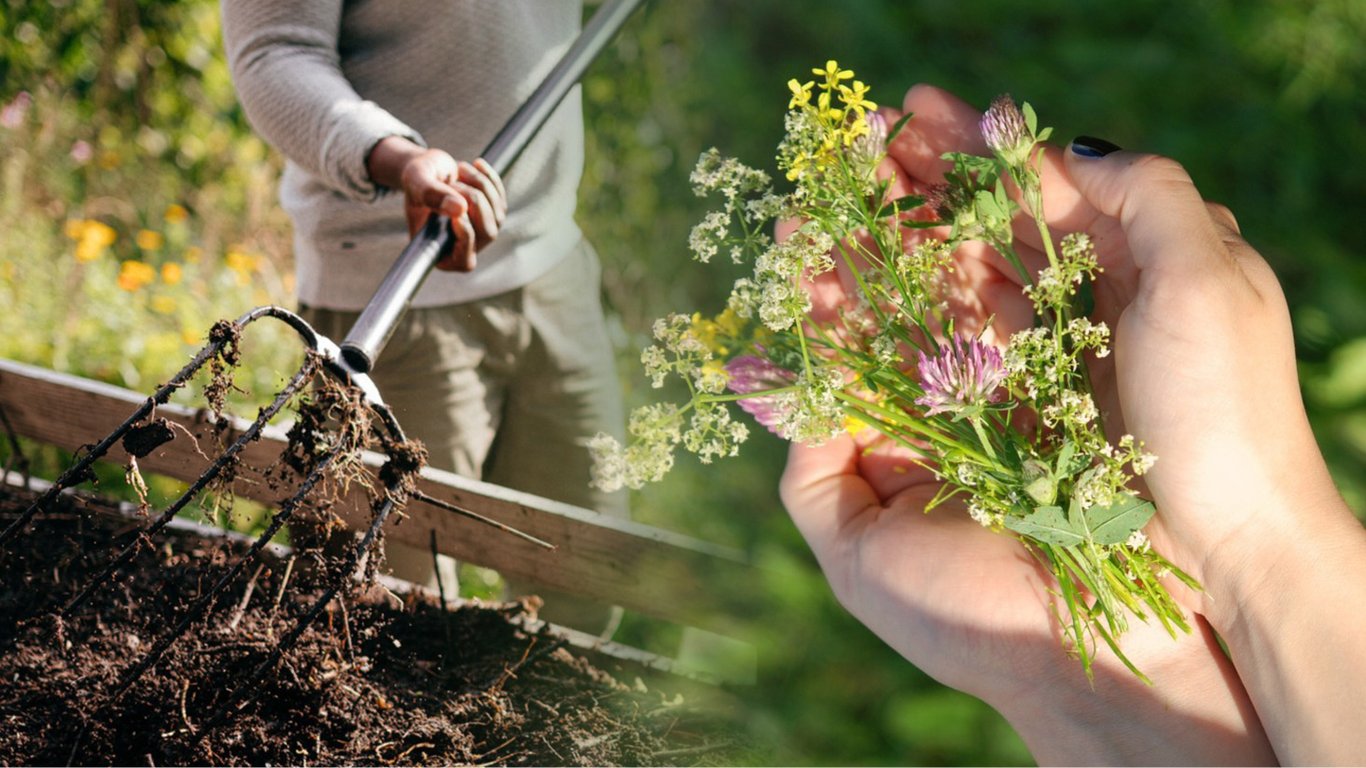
(801, 93)
(854, 97)
(856, 128)
(148, 240)
(854, 425)
(833, 74)
(715, 370)
(92, 238)
(175, 214)
(242, 264)
(241, 261)
(171, 273)
(135, 274)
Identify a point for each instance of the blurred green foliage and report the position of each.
(1259, 101)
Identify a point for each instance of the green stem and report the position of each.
(984, 438)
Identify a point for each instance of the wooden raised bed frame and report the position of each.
(649, 570)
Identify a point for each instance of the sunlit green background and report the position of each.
(133, 124)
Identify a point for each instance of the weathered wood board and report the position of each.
(645, 569)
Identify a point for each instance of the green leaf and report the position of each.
(1042, 490)
(987, 205)
(1048, 525)
(897, 126)
(1062, 467)
(903, 204)
(1114, 522)
(1044, 134)
(1031, 119)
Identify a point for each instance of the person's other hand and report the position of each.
(971, 607)
(1204, 371)
(433, 182)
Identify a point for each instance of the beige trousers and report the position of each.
(507, 389)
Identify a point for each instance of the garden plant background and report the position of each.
(136, 207)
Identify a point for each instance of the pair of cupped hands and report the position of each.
(1203, 371)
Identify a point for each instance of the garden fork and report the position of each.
(348, 363)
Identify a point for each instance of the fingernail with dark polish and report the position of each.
(1090, 146)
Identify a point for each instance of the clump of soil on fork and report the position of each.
(370, 683)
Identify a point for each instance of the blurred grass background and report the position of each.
(136, 207)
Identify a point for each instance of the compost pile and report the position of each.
(373, 682)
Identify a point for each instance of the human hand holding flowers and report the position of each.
(972, 608)
(879, 311)
(1205, 367)
(908, 355)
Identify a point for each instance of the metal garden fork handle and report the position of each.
(377, 321)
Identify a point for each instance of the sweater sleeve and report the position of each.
(287, 70)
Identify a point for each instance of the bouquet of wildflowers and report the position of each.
(1014, 431)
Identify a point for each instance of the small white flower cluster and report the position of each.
(712, 433)
(709, 235)
(816, 414)
(655, 429)
(1058, 283)
(1072, 409)
(776, 292)
(705, 428)
(678, 350)
(715, 172)
(749, 204)
(1044, 364)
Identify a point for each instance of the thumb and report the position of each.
(1164, 218)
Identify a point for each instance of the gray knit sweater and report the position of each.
(325, 80)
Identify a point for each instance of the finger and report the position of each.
(445, 200)
(496, 180)
(1223, 217)
(941, 122)
(823, 491)
(481, 215)
(477, 178)
(1065, 208)
(1164, 219)
(462, 255)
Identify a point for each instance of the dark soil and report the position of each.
(370, 683)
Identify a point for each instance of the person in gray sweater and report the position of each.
(380, 110)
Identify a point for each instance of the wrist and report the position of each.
(1195, 712)
(388, 158)
(1287, 549)
(1292, 620)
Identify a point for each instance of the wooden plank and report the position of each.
(645, 569)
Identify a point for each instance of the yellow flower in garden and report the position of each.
(833, 74)
(854, 129)
(163, 305)
(715, 370)
(241, 262)
(801, 93)
(175, 214)
(136, 274)
(92, 238)
(171, 273)
(148, 240)
(854, 425)
(855, 97)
